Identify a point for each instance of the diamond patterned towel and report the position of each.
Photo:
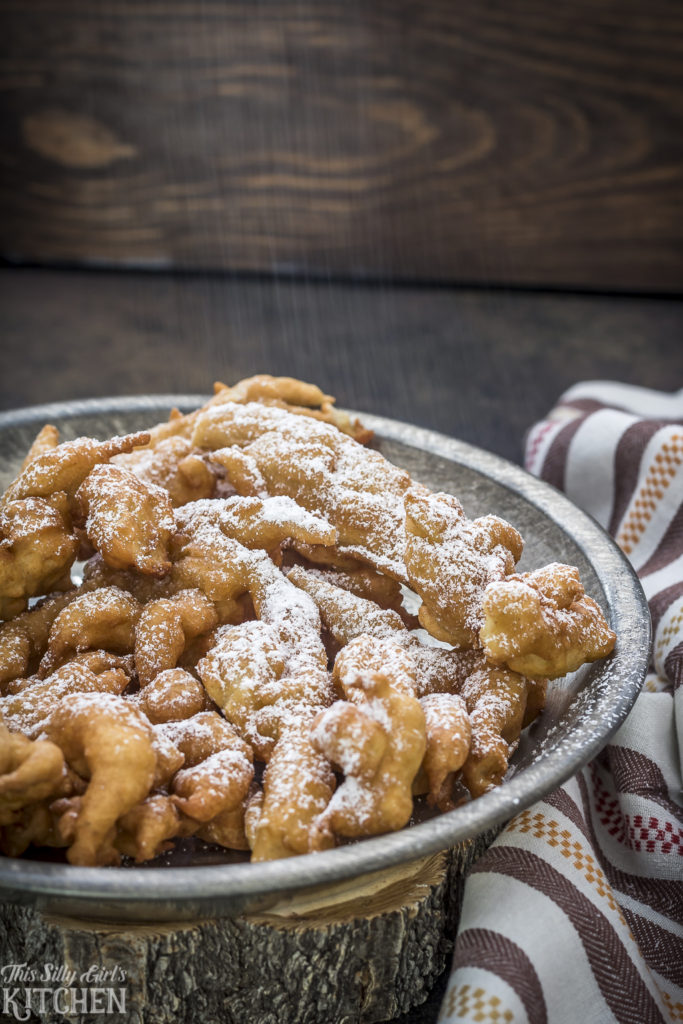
(575, 913)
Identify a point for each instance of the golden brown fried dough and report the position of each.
(172, 696)
(127, 520)
(496, 701)
(354, 488)
(264, 673)
(65, 467)
(109, 743)
(145, 831)
(376, 795)
(37, 550)
(174, 465)
(448, 734)
(30, 771)
(23, 640)
(103, 618)
(164, 629)
(45, 440)
(542, 623)
(27, 710)
(451, 560)
(297, 787)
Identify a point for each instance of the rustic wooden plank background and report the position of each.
(514, 141)
(481, 366)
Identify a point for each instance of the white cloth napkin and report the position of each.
(575, 913)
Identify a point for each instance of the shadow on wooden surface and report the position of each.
(478, 365)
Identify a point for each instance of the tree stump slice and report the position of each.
(361, 951)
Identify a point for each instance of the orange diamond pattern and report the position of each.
(658, 478)
(675, 1010)
(669, 633)
(549, 830)
(467, 1003)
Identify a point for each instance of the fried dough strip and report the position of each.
(109, 743)
(542, 623)
(448, 733)
(347, 617)
(27, 710)
(65, 467)
(218, 769)
(496, 701)
(128, 521)
(103, 618)
(37, 550)
(145, 831)
(354, 488)
(172, 696)
(23, 640)
(378, 740)
(175, 465)
(450, 560)
(30, 771)
(259, 522)
(447, 722)
(45, 440)
(264, 673)
(297, 787)
(164, 629)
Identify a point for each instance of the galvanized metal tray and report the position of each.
(583, 709)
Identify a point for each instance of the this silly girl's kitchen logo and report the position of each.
(28, 989)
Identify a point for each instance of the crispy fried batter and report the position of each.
(496, 701)
(379, 746)
(164, 629)
(175, 465)
(448, 733)
(145, 831)
(45, 440)
(128, 521)
(23, 640)
(542, 623)
(30, 771)
(297, 787)
(27, 710)
(104, 618)
(450, 560)
(264, 673)
(37, 550)
(65, 467)
(172, 696)
(354, 488)
(108, 742)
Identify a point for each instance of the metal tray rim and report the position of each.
(212, 886)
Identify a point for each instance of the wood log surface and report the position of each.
(519, 143)
(362, 951)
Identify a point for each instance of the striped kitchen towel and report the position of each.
(575, 913)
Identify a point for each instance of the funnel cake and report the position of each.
(542, 623)
(326, 471)
(248, 593)
(451, 560)
(37, 550)
(127, 520)
(109, 743)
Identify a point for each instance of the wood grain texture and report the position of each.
(524, 142)
(481, 366)
(358, 962)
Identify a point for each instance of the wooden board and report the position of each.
(519, 143)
